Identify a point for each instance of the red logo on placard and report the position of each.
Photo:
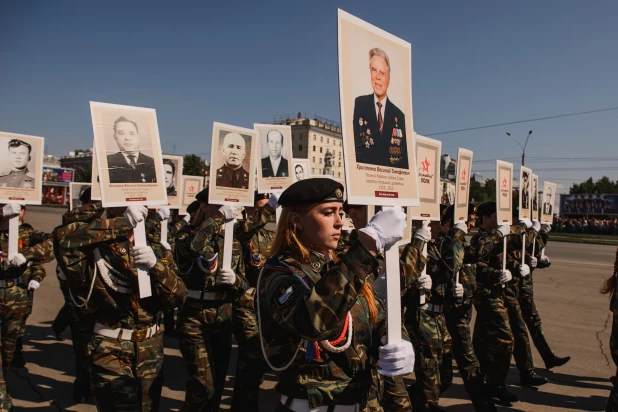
(504, 184)
(426, 165)
(387, 194)
(191, 189)
(463, 175)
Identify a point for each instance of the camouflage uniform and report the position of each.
(493, 339)
(256, 236)
(14, 297)
(80, 320)
(205, 321)
(528, 307)
(300, 305)
(428, 331)
(522, 351)
(612, 402)
(455, 252)
(125, 370)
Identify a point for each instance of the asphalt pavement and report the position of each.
(576, 321)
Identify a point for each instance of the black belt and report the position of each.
(9, 283)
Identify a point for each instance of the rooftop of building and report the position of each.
(303, 119)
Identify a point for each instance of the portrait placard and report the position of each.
(301, 169)
(504, 192)
(525, 198)
(172, 172)
(535, 197)
(375, 88)
(129, 159)
(94, 177)
(274, 157)
(191, 186)
(75, 191)
(549, 199)
(21, 168)
(428, 172)
(462, 185)
(234, 160)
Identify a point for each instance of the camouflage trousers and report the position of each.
(532, 318)
(492, 339)
(612, 402)
(458, 319)
(204, 332)
(521, 351)
(14, 303)
(387, 394)
(431, 340)
(251, 366)
(126, 375)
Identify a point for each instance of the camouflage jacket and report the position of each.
(83, 213)
(457, 253)
(301, 304)
(256, 235)
(441, 271)
(115, 294)
(199, 253)
(515, 247)
(486, 251)
(34, 245)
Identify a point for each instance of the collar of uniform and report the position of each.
(433, 250)
(458, 235)
(318, 260)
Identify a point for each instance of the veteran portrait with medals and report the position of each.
(233, 174)
(379, 125)
(19, 175)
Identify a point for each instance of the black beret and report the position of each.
(261, 196)
(193, 207)
(314, 190)
(486, 209)
(448, 214)
(85, 196)
(202, 196)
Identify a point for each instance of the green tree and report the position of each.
(193, 165)
(602, 186)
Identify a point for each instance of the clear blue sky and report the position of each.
(474, 63)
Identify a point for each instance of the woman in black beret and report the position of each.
(321, 325)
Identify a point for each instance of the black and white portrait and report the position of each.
(17, 173)
(300, 169)
(129, 164)
(171, 176)
(274, 163)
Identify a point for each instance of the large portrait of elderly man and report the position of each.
(21, 168)
(375, 94)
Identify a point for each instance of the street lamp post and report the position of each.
(523, 148)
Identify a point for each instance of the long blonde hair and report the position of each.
(286, 240)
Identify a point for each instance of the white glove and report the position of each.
(187, 218)
(505, 276)
(135, 214)
(164, 212)
(505, 230)
(228, 211)
(458, 290)
(225, 277)
(424, 232)
(144, 256)
(536, 225)
(33, 285)
(386, 227)
(274, 198)
(11, 209)
(396, 359)
(533, 262)
(17, 259)
(544, 260)
(424, 282)
(462, 226)
(527, 222)
(524, 270)
(546, 227)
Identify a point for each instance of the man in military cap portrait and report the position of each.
(19, 175)
(379, 125)
(548, 205)
(232, 173)
(129, 165)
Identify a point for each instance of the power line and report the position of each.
(523, 121)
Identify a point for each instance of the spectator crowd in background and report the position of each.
(582, 225)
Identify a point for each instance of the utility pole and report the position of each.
(523, 148)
